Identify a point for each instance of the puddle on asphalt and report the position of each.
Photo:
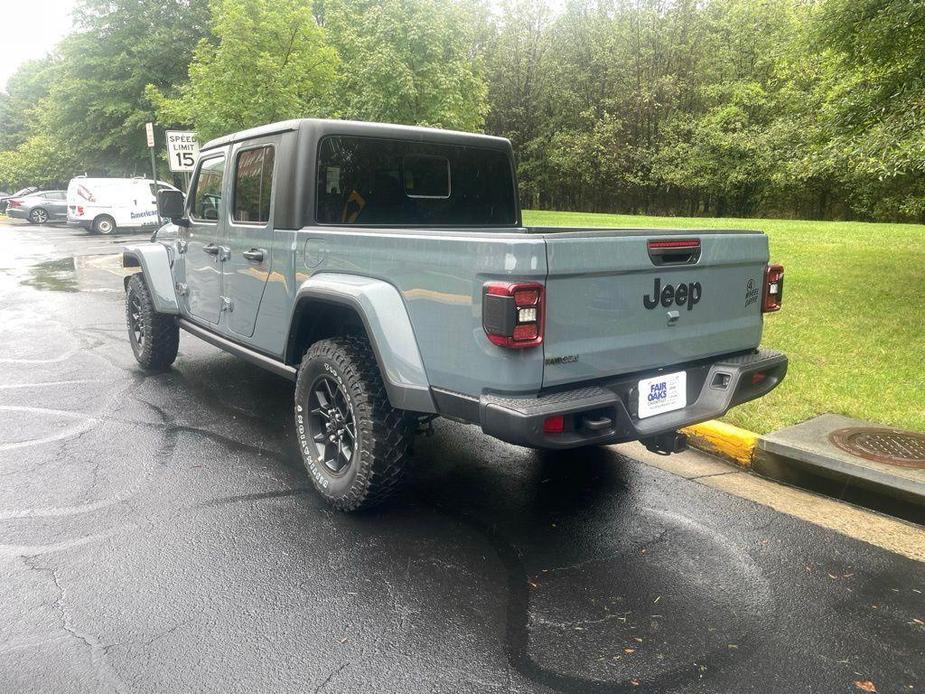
(53, 275)
(86, 273)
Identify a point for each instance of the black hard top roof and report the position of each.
(320, 127)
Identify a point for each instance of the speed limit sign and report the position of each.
(182, 150)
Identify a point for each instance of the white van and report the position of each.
(105, 205)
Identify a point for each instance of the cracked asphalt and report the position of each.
(158, 534)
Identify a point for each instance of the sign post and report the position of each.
(182, 152)
(149, 131)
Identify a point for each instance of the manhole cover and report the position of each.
(882, 445)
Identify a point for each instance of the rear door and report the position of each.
(622, 301)
(249, 234)
(201, 241)
(57, 204)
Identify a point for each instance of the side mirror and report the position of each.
(170, 205)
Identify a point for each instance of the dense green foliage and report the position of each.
(809, 108)
(269, 61)
(729, 107)
(853, 336)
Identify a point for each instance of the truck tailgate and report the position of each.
(616, 303)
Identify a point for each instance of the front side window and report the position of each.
(207, 197)
(253, 183)
(363, 180)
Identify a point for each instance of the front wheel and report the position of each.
(155, 337)
(354, 444)
(104, 224)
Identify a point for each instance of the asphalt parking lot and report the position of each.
(158, 534)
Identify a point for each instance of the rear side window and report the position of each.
(207, 197)
(253, 183)
(362, 180)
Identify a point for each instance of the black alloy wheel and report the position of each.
(136, 322)
(331, 424)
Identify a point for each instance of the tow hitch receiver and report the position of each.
(667, 443)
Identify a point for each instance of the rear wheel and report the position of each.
(104, 224)
(155, 337)
(38, 216)
(354, 444)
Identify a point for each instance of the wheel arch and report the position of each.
(154, 261)
(328, 304)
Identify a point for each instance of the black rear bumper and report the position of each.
(713, 386)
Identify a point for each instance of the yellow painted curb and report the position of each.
(724, 440)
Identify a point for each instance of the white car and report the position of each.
(105, 205)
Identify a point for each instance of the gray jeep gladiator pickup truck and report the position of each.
(386, 270)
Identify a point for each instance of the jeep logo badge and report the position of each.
(681, 295)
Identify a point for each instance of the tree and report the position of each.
(25, 88)
(875, 108)
(270, 61)
(96, 105)
(408, 61)
(518, 88)
(38, 161)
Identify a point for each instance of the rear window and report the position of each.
(365, 180)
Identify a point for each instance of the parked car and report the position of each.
(107, 205)
(5, 198)
(386, 270)
(39, 208)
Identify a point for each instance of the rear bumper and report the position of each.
(80, 223)
(16, 213)
(713, 387)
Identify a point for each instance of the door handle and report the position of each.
(211, 249)
(254, 254)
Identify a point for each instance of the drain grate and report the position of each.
(889, 446)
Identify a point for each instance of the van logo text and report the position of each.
(680, 295)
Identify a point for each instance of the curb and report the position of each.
(820, 474)
(726, 441)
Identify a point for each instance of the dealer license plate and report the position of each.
(662, 394)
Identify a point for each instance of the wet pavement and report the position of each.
(158, 534)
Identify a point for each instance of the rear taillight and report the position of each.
(14, 203)
(512, 313)
(773, 288)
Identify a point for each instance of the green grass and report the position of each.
(853, 320)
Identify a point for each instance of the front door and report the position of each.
(249, 234)
(201, 241)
